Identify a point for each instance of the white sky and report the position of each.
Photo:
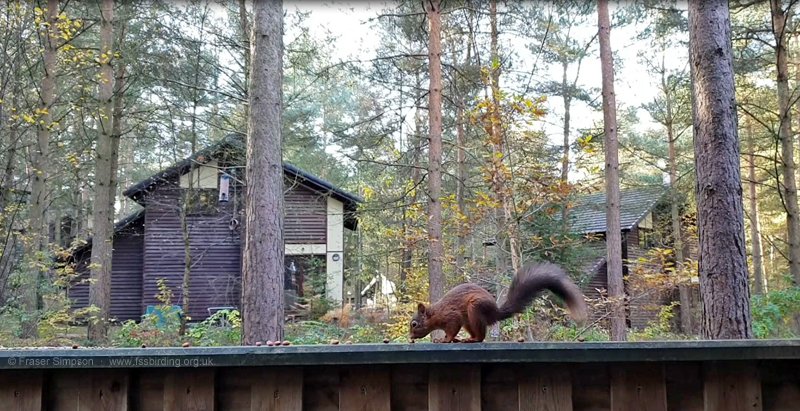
(633, 85)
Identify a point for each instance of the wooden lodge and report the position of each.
(639, 211)
(149, 244)
(741, 375)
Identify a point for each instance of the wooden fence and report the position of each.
(670, 376)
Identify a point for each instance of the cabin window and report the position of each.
(648, 238)
(204, 176)
(202, 201)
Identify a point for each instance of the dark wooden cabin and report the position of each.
(149, 244)
(638, 212)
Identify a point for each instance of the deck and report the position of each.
(652, 376)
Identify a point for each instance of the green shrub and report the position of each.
(224, 328)
(774, 312)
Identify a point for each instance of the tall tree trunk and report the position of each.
(669, 122)
(779, 18)
(41, 154)
(567, 96)
(189, 193)
(461, 163)
(7, 251)
(116, 127)
(616, 285)
(755, 227)
(407, 257)
(263, 298)
(720, 217)
(501, 185)
(436, 247)
(244, 23)
(103, 232)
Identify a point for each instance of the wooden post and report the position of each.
(637, 387)
(732, 386)
(278, 389)
(21, 390)
(365, 389)
(545, 389)
(454, 388)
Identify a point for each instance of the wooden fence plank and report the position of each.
(732, 386)
(277, 389)
(781, 397)
(365, 389)
(591, 382)
(499, 387)
(410, 388)
(684, 386)
(98, 390)
(545, 388)
(638, 387)
(233, 387)
(21, 390)
(189, 390)
(321, 389)
(454, 388)
(146, 390)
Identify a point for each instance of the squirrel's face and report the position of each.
(419, 326)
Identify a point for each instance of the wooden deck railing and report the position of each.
(669, 376)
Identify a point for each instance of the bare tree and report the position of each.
(720, 217)
(262, 288)
(616, 286)
(436, 247)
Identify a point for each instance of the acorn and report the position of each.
(335, 342)
(520, 339)
(258, 343)
(386, 341)
(75, 347)
(186, 345)
(411, 341)
(348, 342)
(144, 345)
(270, 343)
(287, 343)
(581, 339)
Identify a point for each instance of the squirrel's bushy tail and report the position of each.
(536, 277)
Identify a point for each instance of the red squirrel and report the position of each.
(472, 307)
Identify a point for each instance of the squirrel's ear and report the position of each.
(421, 308)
